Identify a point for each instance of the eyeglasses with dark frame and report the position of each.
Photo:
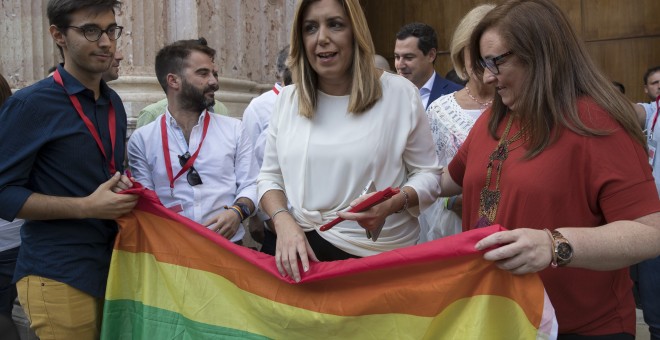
(93, 33)
(192, 176)
(491, 63)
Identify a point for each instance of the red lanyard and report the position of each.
(166, 150)
(276, 90)
(655, 119)
(90, 126)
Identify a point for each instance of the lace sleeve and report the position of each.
(448, 126)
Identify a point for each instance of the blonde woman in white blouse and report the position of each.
(342, 124)
(451, 117)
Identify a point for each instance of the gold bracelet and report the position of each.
(553, 261)
(272, 218)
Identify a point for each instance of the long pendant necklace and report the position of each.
(483, 105)
(489, 199)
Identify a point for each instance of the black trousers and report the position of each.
(323, 249)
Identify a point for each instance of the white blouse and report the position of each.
(323, 163)
(450, 125)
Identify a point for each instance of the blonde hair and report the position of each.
(365, 87)
(559, 72)
(461, 37)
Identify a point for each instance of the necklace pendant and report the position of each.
(502, 151)
(488, 202)
(490, 199)
(483, 222)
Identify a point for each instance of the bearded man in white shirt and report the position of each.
(201, 165)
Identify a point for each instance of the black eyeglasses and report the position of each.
(492, 63)
(192, 176)
(93, 33)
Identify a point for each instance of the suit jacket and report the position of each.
(441, 86)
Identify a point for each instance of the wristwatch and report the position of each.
(245, 211)
(563, 252)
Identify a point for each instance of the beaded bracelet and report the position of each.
(405, 203)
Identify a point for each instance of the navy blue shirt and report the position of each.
(46, 148)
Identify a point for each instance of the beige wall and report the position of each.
(246, 33)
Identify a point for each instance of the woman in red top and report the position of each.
(559, 154)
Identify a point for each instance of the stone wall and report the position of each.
(246, 33)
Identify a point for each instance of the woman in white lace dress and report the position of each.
(451, 117)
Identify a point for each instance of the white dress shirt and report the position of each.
(651, 111)
(322, 164)
(10, 234)
(225, 164)
(425, 91)
(256, 117)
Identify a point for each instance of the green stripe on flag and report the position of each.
(127, 319)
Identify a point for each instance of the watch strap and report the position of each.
(245, 210)
(553, 252)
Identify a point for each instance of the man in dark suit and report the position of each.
(414, 55)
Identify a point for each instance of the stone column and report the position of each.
(247, 35)
(26, 48)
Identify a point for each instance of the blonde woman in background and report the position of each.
(451, 117)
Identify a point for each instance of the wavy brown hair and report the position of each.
(559, 71)
(365, 87)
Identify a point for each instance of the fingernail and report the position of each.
(305, 268)
(477, 246)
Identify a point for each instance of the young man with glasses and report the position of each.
(63, 154)
(200, 164)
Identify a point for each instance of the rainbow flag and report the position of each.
(171, 278)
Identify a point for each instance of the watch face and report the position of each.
(564, 251)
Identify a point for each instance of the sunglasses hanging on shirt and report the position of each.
(186, 160)
(192, 176)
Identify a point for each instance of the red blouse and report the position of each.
(577, 181)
